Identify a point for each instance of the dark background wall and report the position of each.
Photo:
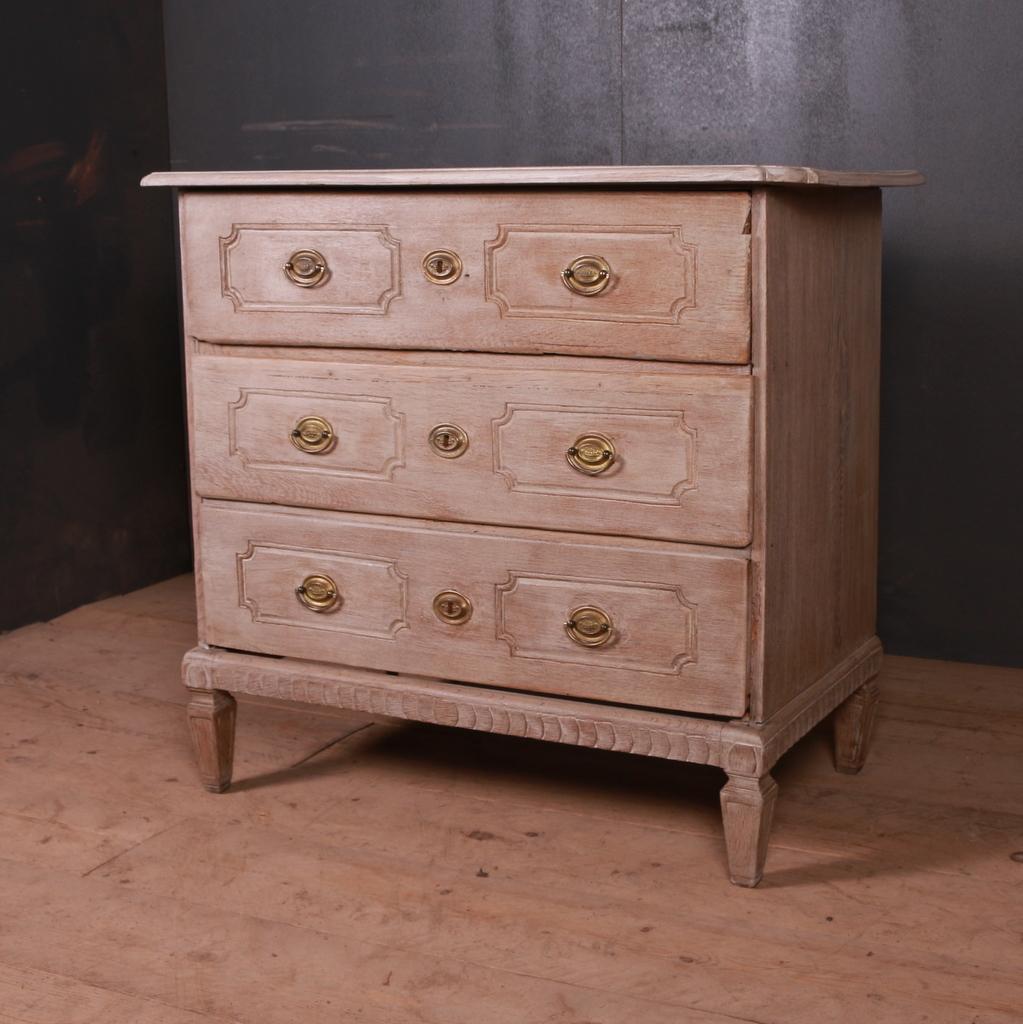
(90, 382)
(92, 467)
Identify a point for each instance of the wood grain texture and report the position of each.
(679, 283)
(211, 722)
(816, 701)
(679, 612)
(439, 702)
(454, 358)
(746, 752)
(747, 809)
(682, 440)
(854, 726)
(322, 873)
(739, 747)
(816, 332)
(684, 635)
(719, 174)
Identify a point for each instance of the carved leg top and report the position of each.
(211, 718)
(747, 807)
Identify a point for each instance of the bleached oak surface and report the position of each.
(816, 370)
(787, 280)
(362, 870)
(679, 287)
(683, 439)
(693, 174)
(674, 647)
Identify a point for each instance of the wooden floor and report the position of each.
(367, 871)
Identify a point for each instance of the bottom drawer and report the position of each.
(634, 622)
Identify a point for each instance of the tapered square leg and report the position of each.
(854, 723)
(747, 807)
(211, 717)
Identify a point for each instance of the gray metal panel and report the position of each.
(260, 83)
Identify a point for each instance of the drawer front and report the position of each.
(661, 275)
(669, 450)
(654, 624)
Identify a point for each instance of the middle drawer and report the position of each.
(629, 449)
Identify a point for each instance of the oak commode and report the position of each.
(598, 443)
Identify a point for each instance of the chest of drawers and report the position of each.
(586, 455)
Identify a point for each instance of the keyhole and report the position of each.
(451, 607)
(448, 441)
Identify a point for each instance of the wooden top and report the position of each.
(737, 174)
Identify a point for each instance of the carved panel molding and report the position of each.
(655, 624)
(374, 591)
(361, 410)
(739, 747)
(666, 436)
(353, 264)
(653, 276)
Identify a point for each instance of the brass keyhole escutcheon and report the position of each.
(587, 275)
(313, 434)
(591, 454)
(307, 268)
(448, 441)
(589, 626)
(442, 266)
(451, 607)
(319, 593)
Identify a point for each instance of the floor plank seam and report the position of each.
(415, 951)
(134, 846)
(837, 946)
(330, 743)
(199, 1014)
(611, 910)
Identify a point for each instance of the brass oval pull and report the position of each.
(591, 454)
(319, 593)
(589, 626)
(442, 266)
(587, 275)
(313, 434)
(307, 268)
(451, 607)
(448, 441)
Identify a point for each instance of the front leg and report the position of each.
(854, 722)
(747, 807)
(211, 716)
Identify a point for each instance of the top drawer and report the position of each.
(653, 275)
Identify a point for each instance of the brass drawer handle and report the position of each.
(448, 441)
(442, 266)
(589, 626)
(587, 275)
(591, 454)
(319, 593)
(307, 268)
(313, 434)
(451, 607)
